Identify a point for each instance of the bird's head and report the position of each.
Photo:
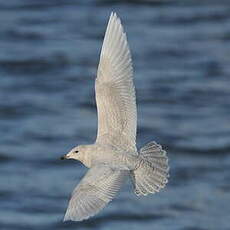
(75, 153)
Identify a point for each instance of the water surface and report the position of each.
(48, 61)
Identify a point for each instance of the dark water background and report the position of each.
(49, 53)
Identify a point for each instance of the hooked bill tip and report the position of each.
(62, 157)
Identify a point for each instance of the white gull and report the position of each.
(114, 156)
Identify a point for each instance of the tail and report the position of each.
(152, 173)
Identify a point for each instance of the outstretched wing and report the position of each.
(96, 189)
(115, 92)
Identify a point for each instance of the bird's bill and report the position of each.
(64, 157)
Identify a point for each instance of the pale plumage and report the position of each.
(96, 189)
(114, 155)
(115, 93)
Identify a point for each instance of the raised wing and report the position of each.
(115, 92)
(96, 189)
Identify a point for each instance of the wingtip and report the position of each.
(114, 19)
(114, 15)
(111, 15)
(67, 217)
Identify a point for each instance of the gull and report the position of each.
(114, 157)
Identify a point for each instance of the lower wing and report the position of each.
(96, 189)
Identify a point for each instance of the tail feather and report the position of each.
(152, 173)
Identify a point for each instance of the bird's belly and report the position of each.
(120, 161)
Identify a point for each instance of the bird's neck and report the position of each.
(86, 156)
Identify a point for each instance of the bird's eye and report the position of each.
(76, 151)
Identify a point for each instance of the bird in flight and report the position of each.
(113, 157)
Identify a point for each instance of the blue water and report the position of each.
(49, 53)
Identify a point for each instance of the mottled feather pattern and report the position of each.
(99, 186)
(152, 174)
(115, 92)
